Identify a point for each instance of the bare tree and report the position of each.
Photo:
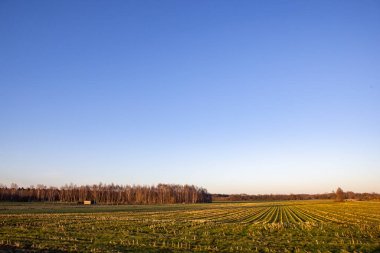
(339, 194)
(108, 194)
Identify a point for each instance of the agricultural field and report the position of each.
(297, 226)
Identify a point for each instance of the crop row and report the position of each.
(219, 227)
(275, 213)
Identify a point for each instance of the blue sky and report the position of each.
(234, 96)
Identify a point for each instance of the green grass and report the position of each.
(219, 227)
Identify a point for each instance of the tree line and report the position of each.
(108, 194)
(339, 195)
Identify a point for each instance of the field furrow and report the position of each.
(221, 227)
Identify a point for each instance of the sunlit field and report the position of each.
(296, 226)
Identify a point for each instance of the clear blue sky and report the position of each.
(234, 96)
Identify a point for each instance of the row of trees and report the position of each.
(160, 194)
(270, 197)
(339, 195)
(108, 194)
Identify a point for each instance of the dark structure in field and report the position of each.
(109, 194)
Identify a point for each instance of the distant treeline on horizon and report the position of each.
(108, 194)
(159, 194)
(349, 195)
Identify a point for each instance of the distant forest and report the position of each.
(108, 194)
(159, 194)
(349, 195)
